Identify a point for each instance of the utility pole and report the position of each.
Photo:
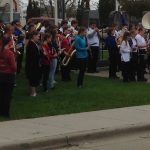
(117, 5)
(56, 12)
(63, 12)
(11, 10)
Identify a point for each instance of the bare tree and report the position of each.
(70, 7)
(52, 8)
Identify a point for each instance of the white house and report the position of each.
(10, 10)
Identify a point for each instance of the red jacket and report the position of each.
(7, 61)
(47, 55)
(65, 43)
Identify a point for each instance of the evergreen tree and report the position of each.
(105, 7)
(33, 9)
(29, 10)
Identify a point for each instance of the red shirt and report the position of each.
(7, 61)
(65, 43)
(47, 56)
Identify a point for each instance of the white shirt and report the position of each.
(125, 50)
(42, 30)
(92, 37)
(75, 32)
(140, 40)
(61, 29)
(116, 34)
(134, 45)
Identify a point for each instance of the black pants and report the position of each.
(45, 75)
(141, 65)
(19, 60)
(6, 89)
(82, 63)
(133, 66)
(126, 71)
(92, 60)
(65, 73)
(113, 61)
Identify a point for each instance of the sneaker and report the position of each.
(54, 82)
(33, 95)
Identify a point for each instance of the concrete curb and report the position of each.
(74, 138)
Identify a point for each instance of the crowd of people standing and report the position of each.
(129, 52)
(46, 47)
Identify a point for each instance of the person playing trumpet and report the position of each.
(19, 35)
(94, 41)
(74, 31)
(142, 47)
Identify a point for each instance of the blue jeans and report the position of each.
(53, 67)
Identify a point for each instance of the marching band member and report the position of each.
(32, 63)
(1, 28)
(148, 48)
(64, 24)
(142, 46)
(9, 30)
(82, 48)
(7, 76)
(31, 29)
(54, 47)
(134, 56)
(1, 32)
(19, 35)
(74, 31)
(45, 61)
(93, 40)
(113, 53)
(125, 50)
(66, 45)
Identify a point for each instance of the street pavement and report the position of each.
(63, 130)
(136, 141)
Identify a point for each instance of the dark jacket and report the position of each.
(112, 45)
(32, 66)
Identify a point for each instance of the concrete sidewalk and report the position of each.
(105, 74)
(48, 132)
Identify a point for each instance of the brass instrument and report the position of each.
(14, 46)
(68, 57)
(119, 41)
(2, 30)
(38, 25)
(146, 20)
(103, 33)
(146, 25)
(71, 52)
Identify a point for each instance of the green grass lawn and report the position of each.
(104, 55)
(97, 94)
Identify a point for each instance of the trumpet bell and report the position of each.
(146, 20)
